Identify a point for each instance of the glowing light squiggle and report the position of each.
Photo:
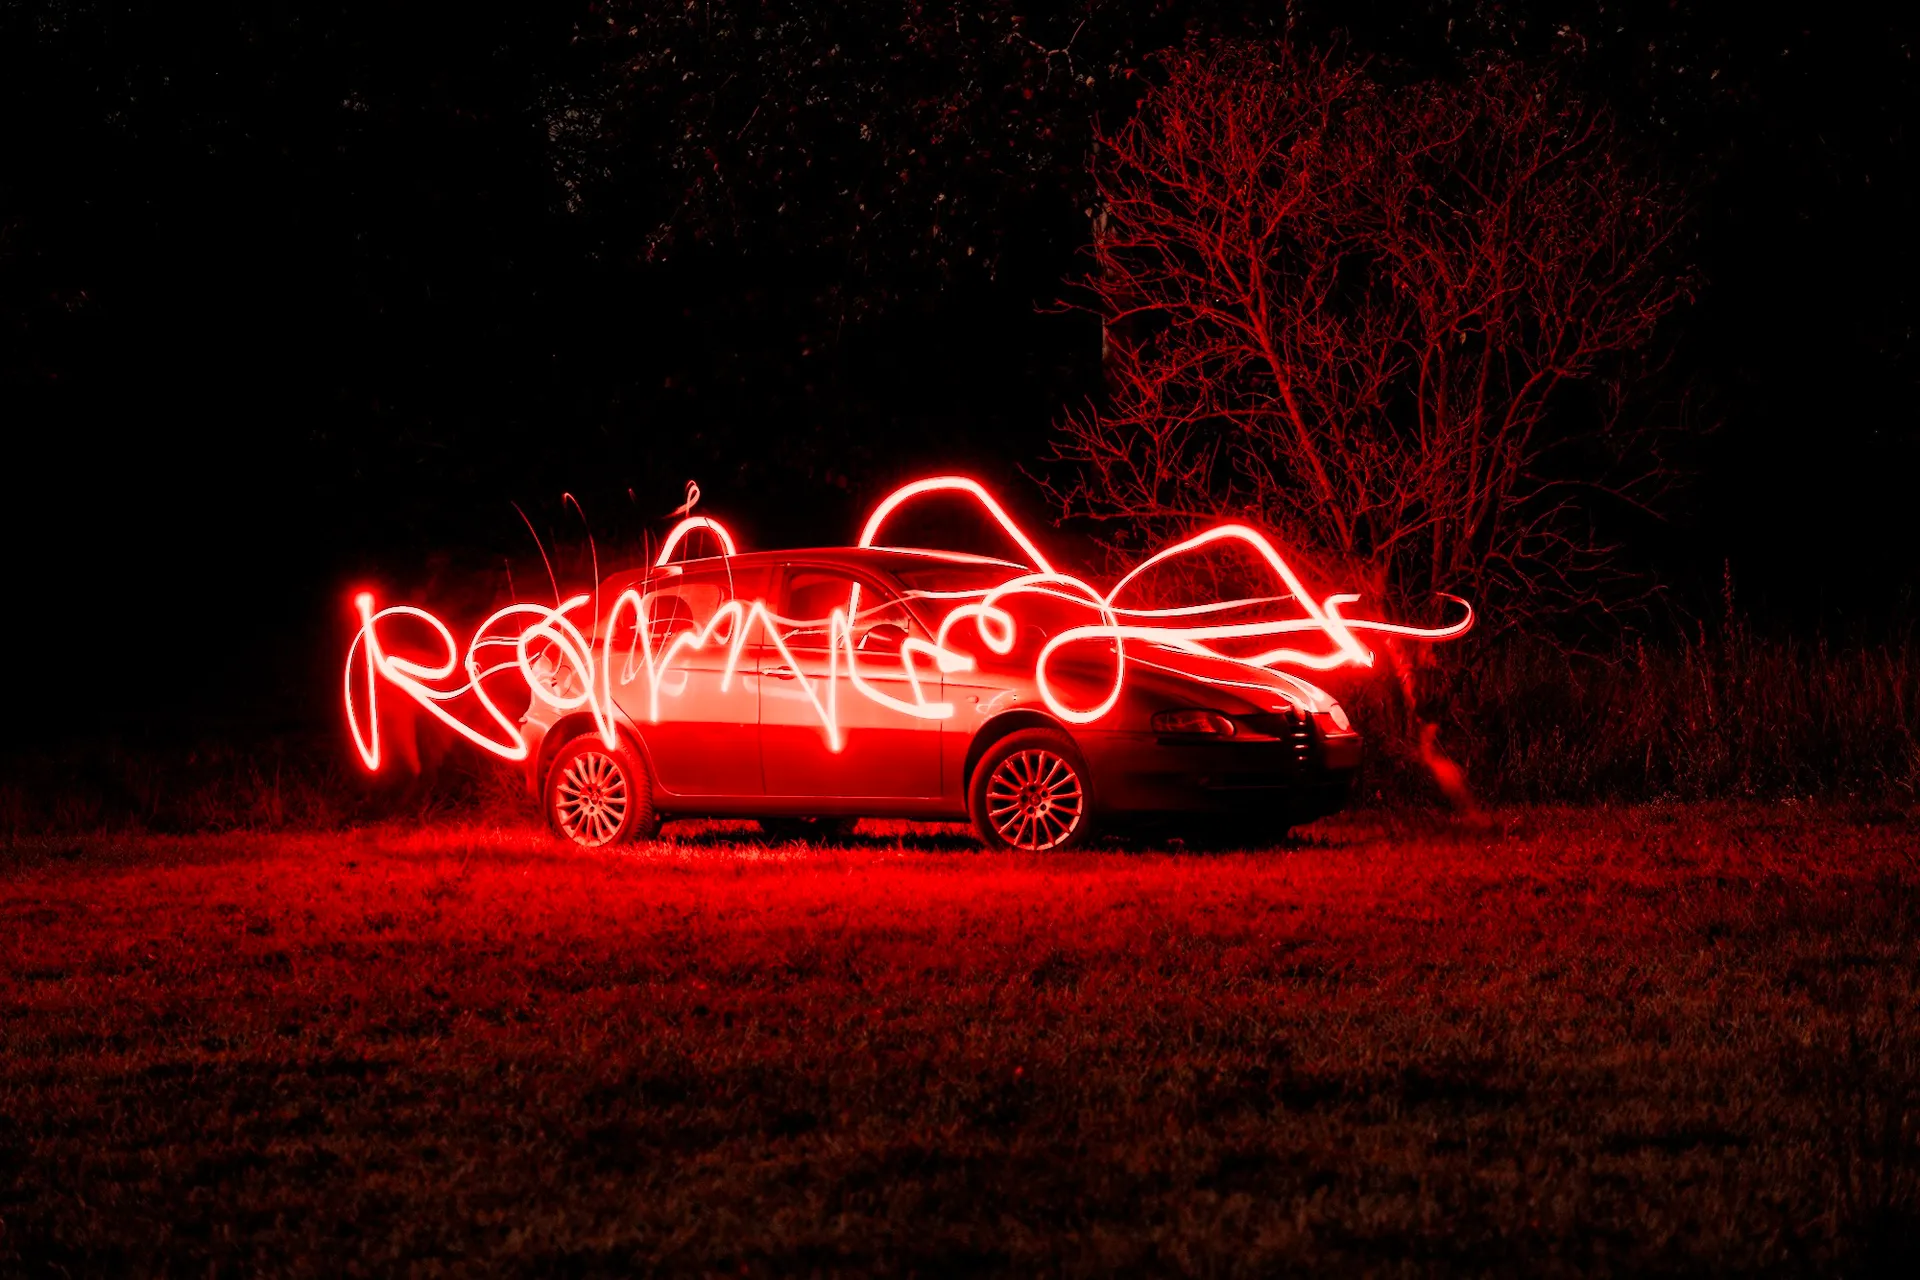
(557, 659)
(687, 526)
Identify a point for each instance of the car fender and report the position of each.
(996, 728)
(569, 727)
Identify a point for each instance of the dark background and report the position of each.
(299, 297)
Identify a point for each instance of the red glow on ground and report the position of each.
(1650, 1041)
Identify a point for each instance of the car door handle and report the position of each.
(779, 673)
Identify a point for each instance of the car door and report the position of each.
(882, 751)
(696, 706)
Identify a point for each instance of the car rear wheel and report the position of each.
(1030, 793)
(599, 795)
(809, 829)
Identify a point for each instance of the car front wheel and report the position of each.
(599, 795)
(1030, 793)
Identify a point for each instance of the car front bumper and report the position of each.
(1294, 779)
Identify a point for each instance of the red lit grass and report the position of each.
(1569, 1039)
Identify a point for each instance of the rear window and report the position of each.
(681, 607)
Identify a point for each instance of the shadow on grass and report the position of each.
(957, 837)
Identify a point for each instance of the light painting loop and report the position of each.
(560, 666)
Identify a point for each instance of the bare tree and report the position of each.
(1357, 314)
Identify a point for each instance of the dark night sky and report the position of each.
(295, 296)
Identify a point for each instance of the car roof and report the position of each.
(887, 560)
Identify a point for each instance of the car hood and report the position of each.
(1260, 688)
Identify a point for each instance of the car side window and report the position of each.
(813, 595)
(674, 605)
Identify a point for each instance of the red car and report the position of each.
(807, 689)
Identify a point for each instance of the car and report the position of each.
(808, 689)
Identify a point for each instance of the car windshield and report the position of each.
(1038, 612)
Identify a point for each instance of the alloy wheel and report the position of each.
(1034, 799)
(591, 798)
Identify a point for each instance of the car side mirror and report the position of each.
(883, 637)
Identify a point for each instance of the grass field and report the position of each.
(1656, 1039)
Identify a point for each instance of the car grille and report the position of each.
(1291, 727)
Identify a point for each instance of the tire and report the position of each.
(596, 795)
(810, 830)
(1030, 794)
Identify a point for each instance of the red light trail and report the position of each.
(559, 665)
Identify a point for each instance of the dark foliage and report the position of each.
(1401, 327)
(1725, 714)
(296, 299)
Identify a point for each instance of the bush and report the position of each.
(1721, 716)
(1733, 714)
(307, 782)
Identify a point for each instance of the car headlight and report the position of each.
(1187, 720)
(1338, 715)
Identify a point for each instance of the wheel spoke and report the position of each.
(1034, 799)
(591, 798)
